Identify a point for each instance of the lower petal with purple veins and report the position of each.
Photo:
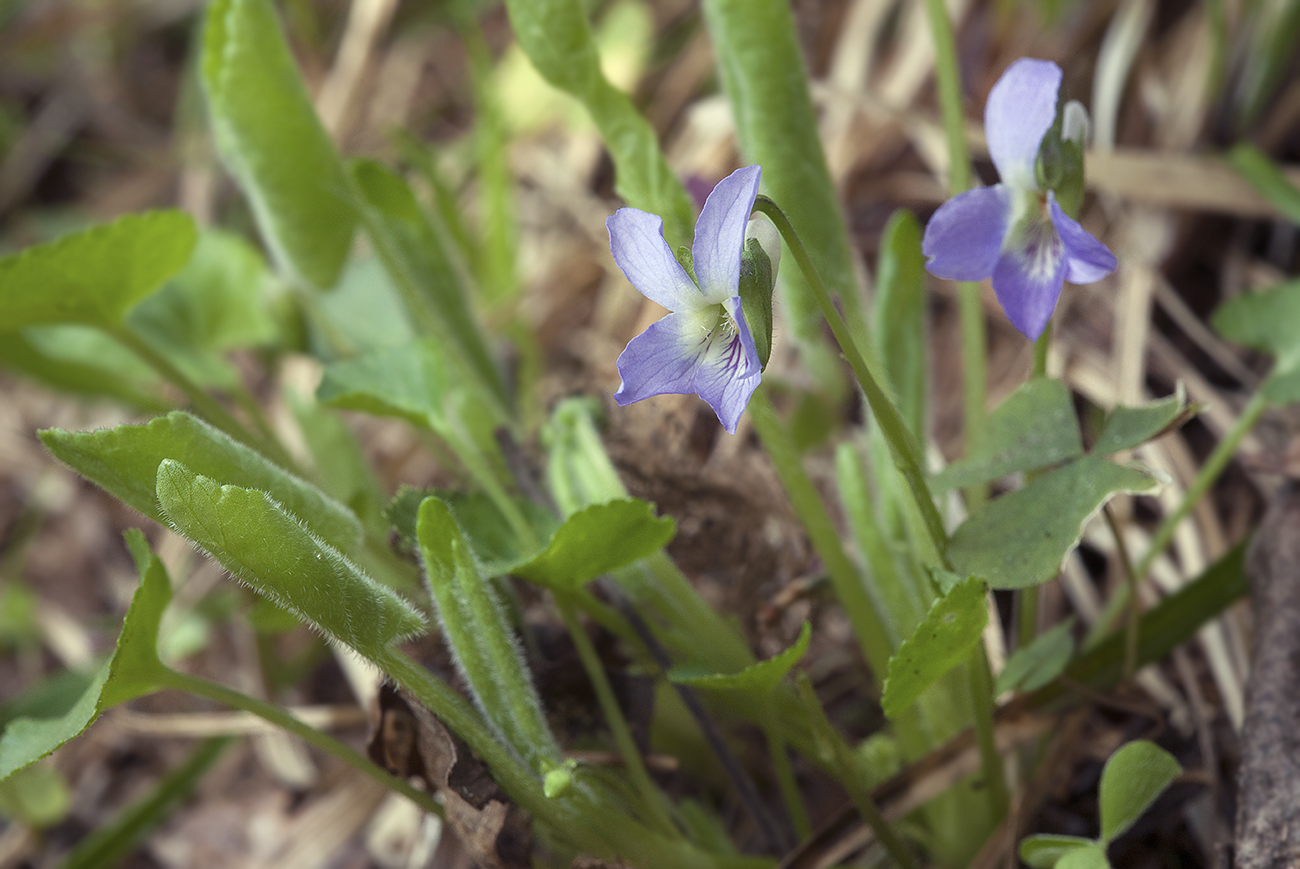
(1029, 275)
(729, 369)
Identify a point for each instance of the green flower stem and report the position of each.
(785, 779)
(981, 692)
(860, 795)
(907, 453)
(811, 510)
(1209, 473)
(651, 797)
(1131, 630)
(207, 406)
(169, 678)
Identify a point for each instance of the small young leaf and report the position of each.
(38, 796)
(1021, 539)
(1088, 857)
(944, 638)
(1128, 427)
(1043, 852)
(124, 461)
(95, 276)
(1265, 321)
(495, 546)
(756, 680)
(130, 673)
(1033, 428)
(262, 545)
(597, 540)
(1039, 662)
(273, 143)
(1132, 780)
(1264, 175)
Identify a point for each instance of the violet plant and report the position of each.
(308, 536)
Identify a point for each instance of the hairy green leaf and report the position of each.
(1128, 427)
(757, 680)
(1021, 538)
(271, 140)
(262, 545)
(1043, 852)
(494, 544)
(1033, 428)
(95, 276)
(1039, 662)
(1131, 781)
(124, 461)
(940, 642)
(596, 540)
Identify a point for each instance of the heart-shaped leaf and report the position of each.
(942, 640)
(1131, 781)
(596, 540)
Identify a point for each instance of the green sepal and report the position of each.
(1059, 167)
(757, 284)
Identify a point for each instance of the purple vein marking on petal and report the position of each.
(663, 359)
(729, 370)
(1028, 278)
(1088, 259)
(720, 233)
(963, 239)
(1019, 112)
(636, 238)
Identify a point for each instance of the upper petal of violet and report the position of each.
(1088, 259)
(720, 234)
(1020, 110)
(963, 239)
(636, 238)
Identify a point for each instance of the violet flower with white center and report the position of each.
(704, 346)
(1015, 232)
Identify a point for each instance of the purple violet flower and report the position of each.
(704, 346)
(1014, 232)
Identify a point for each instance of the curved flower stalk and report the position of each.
(705, 346)
(1016, 231)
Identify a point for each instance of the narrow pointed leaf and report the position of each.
(124, 461)
(1035, 427)
(942, 640)
(131, 672)
(596, 540)
(898, 316)
(1021, 538)
(1043, 852)
(265, 547)
(757, 680)
(95, 276)
(270, 138)
(1128, 427)
(1132, 780)
(1265, 176)
(1039, 662)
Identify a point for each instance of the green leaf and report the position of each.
(124, 461)
(595, 541)
(416, 258)
(262, 545)
(95, 276)
(1039, 662)
(757, 49)
(557, 38)
(1132, 780)
(1043, 852)
(1266, 321)
(1128, 427)
(362, 313)
(46, 354)
(271, 140)
(1021, 538)
(410, 382)
(1035, 427)
(38, 796)
(1088, 857)
(757, 680)
(1265, 176)
(131, 672)
(475, 627)
(495, 546)
(898, 316)
(941, 641)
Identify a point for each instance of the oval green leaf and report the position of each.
(1132, 780)
(596, 540)
(1128, 427)
(1039, 662)
(944, 639)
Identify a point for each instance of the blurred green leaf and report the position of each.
(942, 640)
(1033, 428)
(596, 540)
(557, 37)
(84, 361)
(124, 461)
(411, 382)
(1131, 781)
(264, 546)
(131, 672)
(1128, 427)
(1265, 176)
(898, 316)
(757, 680)
(1043, 852)
(1021, 538)
(38, 796)
(1266, 321)
(1038, 663)
(1088, 857)
(362, 313)
(494, 545)
(270, 138)
(95, 276)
